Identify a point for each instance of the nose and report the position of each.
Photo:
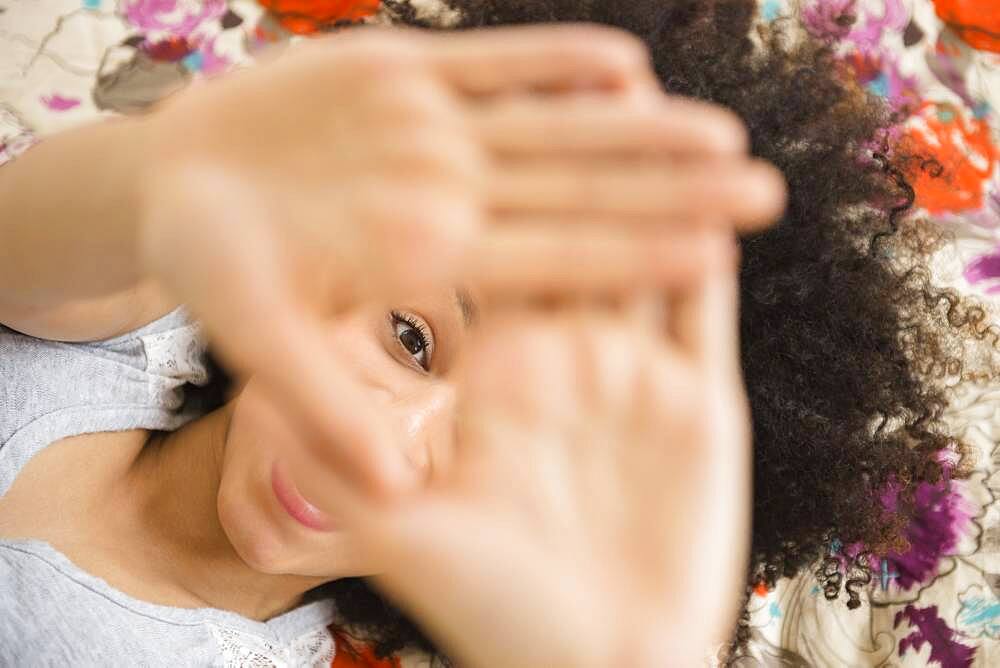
(424, 424)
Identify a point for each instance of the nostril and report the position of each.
(420, 460)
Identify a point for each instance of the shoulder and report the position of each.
(50, 390)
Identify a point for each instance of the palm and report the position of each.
(611, 494)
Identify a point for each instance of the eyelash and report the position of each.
(422, 329)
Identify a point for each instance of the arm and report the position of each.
(69, 262)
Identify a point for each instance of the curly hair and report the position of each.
(848, 350)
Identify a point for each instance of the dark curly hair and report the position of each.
(848, 350)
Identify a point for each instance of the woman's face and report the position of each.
(401, 356)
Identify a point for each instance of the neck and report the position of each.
(174, 486)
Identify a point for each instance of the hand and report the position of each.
(393, 162)
(597, 510)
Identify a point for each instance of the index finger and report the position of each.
(497, 60)
(258, 328)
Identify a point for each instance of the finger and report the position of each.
(516, 370)
(433, 153)
(607, 347)
(704, 314)
(517, 262)
(527, 125)
(498, 60)
(257, 326)
(706, 326)
(403, 241)
(287, 349)
(645, 309)
(749, 193)
(416, 237)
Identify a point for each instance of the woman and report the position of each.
(819, 293)
(138, 528)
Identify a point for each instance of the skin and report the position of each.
(545, 506)
(493, 206)
(381, 447)
(418, 406)
(203, 494)
(518, 491)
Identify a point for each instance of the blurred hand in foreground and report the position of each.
(526, 161)
(596, 512)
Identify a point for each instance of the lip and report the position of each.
(295, 504)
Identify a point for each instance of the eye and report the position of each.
(414, 336)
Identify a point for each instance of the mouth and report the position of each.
(295, 504)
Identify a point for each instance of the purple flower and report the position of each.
(984, 268)
(940, 517)
(933, 630)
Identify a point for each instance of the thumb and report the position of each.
(221, 256)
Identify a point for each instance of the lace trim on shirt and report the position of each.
(247, 650)
(177, 354)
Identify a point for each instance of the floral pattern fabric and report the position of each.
(936, 62)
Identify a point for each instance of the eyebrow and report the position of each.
(470, 312)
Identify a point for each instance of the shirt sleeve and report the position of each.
(51, 389)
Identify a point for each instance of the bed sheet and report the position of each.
(64, 62)
(938, 604)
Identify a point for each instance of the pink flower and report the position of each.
(57, 102)
(893, 20)
(178, 18)
(837, 20)
(880, 73)
(212, 61)
(829, 19)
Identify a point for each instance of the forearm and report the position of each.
(70, 206)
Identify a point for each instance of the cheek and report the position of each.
(261, 534)
(256, 426)
(246, 508)
(270, 543)
(254, 537)
(258, 436)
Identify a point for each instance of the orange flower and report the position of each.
(353, 654)
(960, 157)
(977, 22)
(304, 17)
